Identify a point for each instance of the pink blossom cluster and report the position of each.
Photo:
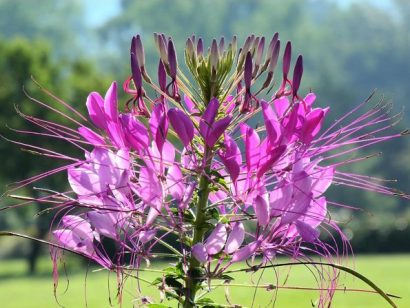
(190, 161)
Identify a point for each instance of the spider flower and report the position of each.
(196, 179)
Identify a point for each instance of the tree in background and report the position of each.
(19, 59)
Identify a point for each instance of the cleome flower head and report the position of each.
(184, 169)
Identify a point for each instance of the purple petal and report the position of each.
(280, 198)
(146, 236)
(159, 125)
(235, 238)
(150, 189)
(302, 197)
(271, 123)
(216, 240)
(252, 142)
(175, 182)
(218, 128)
(245, 252)
(136, 133)
(272, 158)
(313, 124)
(104, 223)
(261, 206)
(281, 105)
(231, 157)
(110, 103)
(190, 104)
(95, 105)
(182, 125)
(83, 181)
(92, 137)
(322, 181)
(307, 233)
(316, 212)
(199, 252)
(208, 117)
(79, 226)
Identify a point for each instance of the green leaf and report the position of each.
(156, 281)
(157, 306)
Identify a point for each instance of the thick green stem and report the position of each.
(192, 282)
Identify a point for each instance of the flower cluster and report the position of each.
(189, 162)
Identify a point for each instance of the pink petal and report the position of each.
(252, 142)
(281, 106)
(150, 189)
(316, 212)
(135, 132)
(159, 125)
(79, 226)
(111, 103)
(245, 252)
(190, 104)
(84, 181)
(116, 134)
(199, 252)
(261, 207)
(175, 182)
(182, 125)
(301, 198)
(313, 124)
(216, 240)
(231, 157)
(218, 128)
(280, 198)
(235, 238)
(322, 181)
(104, 223)
(208, 117)
(271, 123)
(95, 105)
(271, 159)
(146, 236)
(307, 233)
(91, 136)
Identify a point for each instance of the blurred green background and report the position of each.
(72, 47)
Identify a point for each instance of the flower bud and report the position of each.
(297, 76)
(172, 59)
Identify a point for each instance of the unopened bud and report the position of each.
(247, 75)
(287, 56)
(259, 54)
(200, 48)
(139, 50)
(172, 59)
(214, 56)
(162, 76)
(189, 49)
(297, 75)
(221, 44)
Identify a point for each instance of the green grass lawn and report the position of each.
(391, 273)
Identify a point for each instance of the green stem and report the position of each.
(191, 283)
